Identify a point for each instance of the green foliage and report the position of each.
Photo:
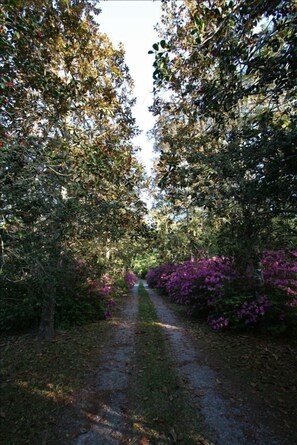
(278, 319)
(226, 129)
(69, 177)
(120, 287)
(21, 301)
(143, 262)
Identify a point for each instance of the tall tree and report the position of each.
(225, 86)
(70, 181)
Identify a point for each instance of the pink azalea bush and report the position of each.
(251, 311)
(108, 288)
(212, 289)
(130, 279)
(157, 276)
(199, 284)
(280, 270)
(103, 289)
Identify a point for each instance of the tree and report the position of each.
(226, 130)
(70, 181)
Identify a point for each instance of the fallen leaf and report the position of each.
(74, 434)
(200, 394)
(173, 434)
(144, 441)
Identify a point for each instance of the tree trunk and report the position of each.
(254, 271)
(46, 327)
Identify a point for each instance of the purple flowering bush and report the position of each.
(280, 277)
(130, 279)
(200, 284)
(110, 289)
(280, 270)
(218, 323)
(212, 289)
(157, 277)
(251, 311)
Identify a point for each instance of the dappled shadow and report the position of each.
(237, 414)
(30, 417)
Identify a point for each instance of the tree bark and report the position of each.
(46, 327)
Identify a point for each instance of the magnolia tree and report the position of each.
(225, 133)
(70, 181)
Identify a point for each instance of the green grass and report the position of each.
(163, 415)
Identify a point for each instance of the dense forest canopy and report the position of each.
(70, 180)
(225, 98)
(224, 182)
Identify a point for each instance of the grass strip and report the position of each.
(163, 415)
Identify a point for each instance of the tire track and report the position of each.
(228, 417)
(101, 408)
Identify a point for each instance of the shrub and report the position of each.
(212, 289)
(200, 284)
(130, 278)
(76, 297)
(158, 276)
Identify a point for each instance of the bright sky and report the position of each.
(132, 23)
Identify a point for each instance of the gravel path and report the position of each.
(228, 416)
(101, 409)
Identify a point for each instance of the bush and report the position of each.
(76, 300)
(200, 284)
(212, 289)
(130, 278)
(158, 276)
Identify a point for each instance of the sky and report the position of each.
(132, 22)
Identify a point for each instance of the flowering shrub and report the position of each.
(110, 292)
(200, 284)
(130, 278)
(250, 311)
(107, 315)
(211, 288)
(105, 290)
(180, 284)
(158, 276)
(218, 322)
(280, 270)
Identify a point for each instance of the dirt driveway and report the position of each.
(231, 415)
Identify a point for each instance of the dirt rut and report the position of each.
(228, 415)
(230, 418)
(101, 409)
